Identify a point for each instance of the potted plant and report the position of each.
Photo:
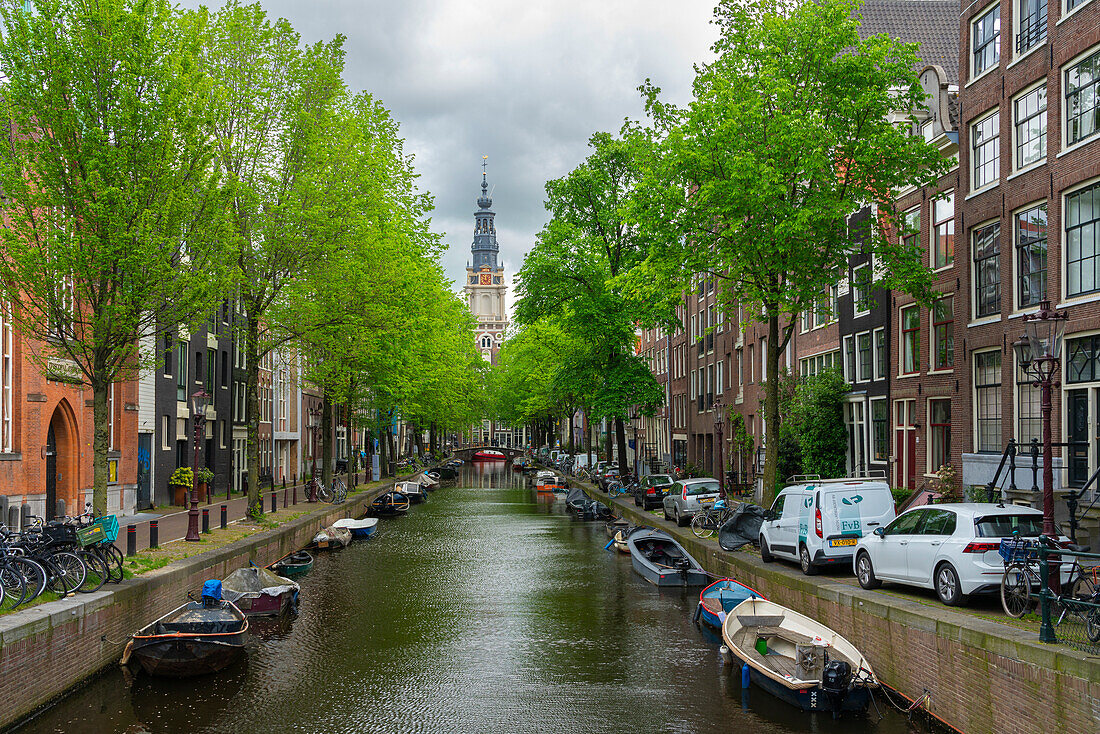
(180, 483)
(206, 478)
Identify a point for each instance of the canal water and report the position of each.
(486, 609)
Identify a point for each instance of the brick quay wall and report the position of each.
(983, 677)
(47, 650)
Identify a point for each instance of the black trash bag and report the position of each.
(743, 527)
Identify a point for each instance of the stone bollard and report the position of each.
(206, 519)
(154, 534)
(131, 540)
(225, 518)
(274, 503)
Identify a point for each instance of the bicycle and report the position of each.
(1021, 575)
(333, 495)
(710, 518)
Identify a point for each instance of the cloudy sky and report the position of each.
(522, 81)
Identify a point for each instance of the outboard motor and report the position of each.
(212, 593)
(835, 681)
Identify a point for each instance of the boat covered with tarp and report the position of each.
(798, 659)
(660, 560)
(584, 507)
(199, 637)
(260, 592)
(332, 537)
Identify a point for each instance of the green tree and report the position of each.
(112, 207)
(817, 412)
(573, 270)
(789, 131)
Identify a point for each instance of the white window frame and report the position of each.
(860, 377)
(974, 397)
(1067, 297)
(1017, 16)
(1042, 115)
(975, 72)
(875, 349)
(1064, 102)
(857, 291)
(849, 371)
(994, 144)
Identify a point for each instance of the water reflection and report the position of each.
(486, 609)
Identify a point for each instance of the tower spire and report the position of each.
(485, 247)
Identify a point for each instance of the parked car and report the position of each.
(652, 490)
(683, 499)
(819, 521)
(607, 476)
(952, 548)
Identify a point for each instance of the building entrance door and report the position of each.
(1077, 405)
(51, 474)
(905, 443)
(144, 478)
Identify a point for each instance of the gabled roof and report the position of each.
(934, 24)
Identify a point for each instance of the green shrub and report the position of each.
(182, 477)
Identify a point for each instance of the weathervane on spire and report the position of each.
(484, 163)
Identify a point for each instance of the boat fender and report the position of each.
(745, 675)
(609, 544)
(698, 611)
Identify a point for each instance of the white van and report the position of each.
(819, 521)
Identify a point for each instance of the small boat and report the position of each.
(389, 505)
(798, 659)
(412, 490)
(584, 507)
(332, 537)
(550, 483)
(197, 638)
(718, 599)
(363, 528)
(427, 480)
(296, 564)
(662, 561)
(448, 472)
(620, 539)
(489, 455)
(259, 592)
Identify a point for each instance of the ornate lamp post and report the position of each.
(198, 420)
(719, 419)
(314, 426)
(1039, 353)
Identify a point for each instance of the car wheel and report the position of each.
(865, 572)
(765, 552)
(808, 566)
(681, 521)
(948, 588)
(664, 511)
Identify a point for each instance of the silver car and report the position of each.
(683, 499)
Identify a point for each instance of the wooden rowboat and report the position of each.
(296, 564)
(662, 561)
(719, 599)
(798, 659)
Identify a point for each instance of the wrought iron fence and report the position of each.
(1070, 616)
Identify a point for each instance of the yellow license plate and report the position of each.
(837, 542)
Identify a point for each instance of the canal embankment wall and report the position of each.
(983, 677)
(48, 649)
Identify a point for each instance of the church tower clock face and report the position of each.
(486, 279)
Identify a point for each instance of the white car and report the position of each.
(952, 548)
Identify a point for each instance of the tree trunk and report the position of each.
(572, 440)
(383, 452)
(771, 414)
(326, 438)
(418, 438)
(620, 438)
(252, 412)
(100, 444)
(392, 442)
(432, 439)
(607, 441)
(588, 439)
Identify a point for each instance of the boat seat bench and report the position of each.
(786, 634)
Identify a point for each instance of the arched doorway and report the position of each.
(61, 464)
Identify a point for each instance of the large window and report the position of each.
(910, 340)
(1032, 24)
(1082, 214)
(1030, 119)
(863, 349)
(985, 45)
(849, 358)
(880, 416)
(987, 401)
(181, 371)
(943, 220)
(1082, 101)
(939, 434)
(861, 288)
(810, 366)
(987, 269)
(880, 353)
(1083, 359)
(943, 333)
(1029, 418)
(1030, 236)
(910, 234)
(985, 137)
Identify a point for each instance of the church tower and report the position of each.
(485, 288)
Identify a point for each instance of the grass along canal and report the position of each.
(485, 609)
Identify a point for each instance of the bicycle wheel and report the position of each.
(1016, 591)
(112, 556)
(701, 525)
(13, 588)
(96, 573)
(324, 494)
(341, 489)
(614, 489)
(1092, 625)
(32, 572)
(68, 572)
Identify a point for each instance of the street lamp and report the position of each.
(314, 424)
(1039, 352)
(719, 418)
(198, 420)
